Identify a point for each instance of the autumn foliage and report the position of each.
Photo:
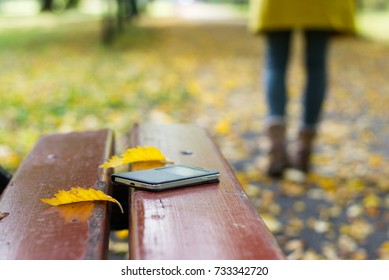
(210, 74)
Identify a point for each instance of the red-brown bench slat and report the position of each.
(36, 230)
(213, 221)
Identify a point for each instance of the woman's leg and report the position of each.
(316, 87)
(314, 95)
(276, 60)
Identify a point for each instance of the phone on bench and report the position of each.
(168, 177)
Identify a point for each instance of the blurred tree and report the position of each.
(373, 4)
(113, 23)
(127, 9)
(72, 3)
(47, 5)
(51, 5)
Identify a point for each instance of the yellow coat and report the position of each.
(336, 15)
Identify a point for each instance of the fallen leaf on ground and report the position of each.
(116, 247)
(292, 189)
(359, 229)
(272, 223)
(78, 194)
(372, 202)
(383, 251)
(122, 234)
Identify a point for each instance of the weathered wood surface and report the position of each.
(36, 230)
(214, 221)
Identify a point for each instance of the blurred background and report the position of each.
(57, 75)
(69, 65)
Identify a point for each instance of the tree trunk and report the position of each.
(47, 5)
(72, 4)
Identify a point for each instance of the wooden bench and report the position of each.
(214, 221)
(35, 230)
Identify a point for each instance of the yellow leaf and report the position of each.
(80, 211)
(122, 234)
(272, 223)
(139, 154)
(375, 160)
(385, 246)
(223, 127)
(143, 165)
(371, 201)
(113, 162)
(383, 251)
(79, 194)
(133, 155)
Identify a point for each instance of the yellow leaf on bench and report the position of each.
(143, 154)
(132, 155)
(78, 194)
(113, 162)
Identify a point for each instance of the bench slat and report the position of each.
(214, 221)
(35, 230)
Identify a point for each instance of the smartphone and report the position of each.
(168, 177)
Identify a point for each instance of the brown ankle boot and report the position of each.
(278, 157)
(302, 158)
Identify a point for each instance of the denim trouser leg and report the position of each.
(316, 86)
(276, 60)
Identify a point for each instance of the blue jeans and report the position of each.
(277, 55)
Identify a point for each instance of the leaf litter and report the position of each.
(341, 210)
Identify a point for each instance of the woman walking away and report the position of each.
(277, 20)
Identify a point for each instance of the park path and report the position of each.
(192, 10)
